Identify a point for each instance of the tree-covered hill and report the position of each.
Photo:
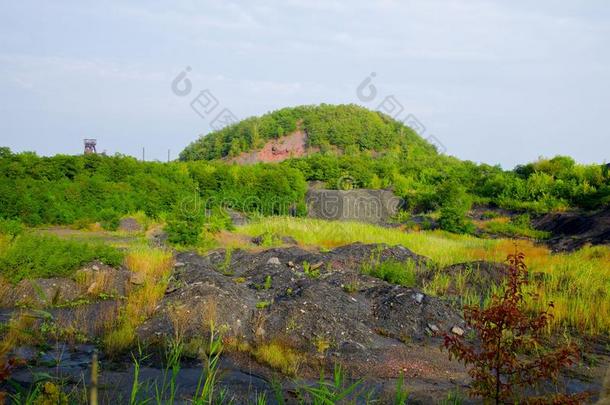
(344, 127)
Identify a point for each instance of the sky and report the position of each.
(500, 82)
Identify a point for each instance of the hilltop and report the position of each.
(306, 130)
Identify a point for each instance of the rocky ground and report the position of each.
(572, 230)
(316, 304)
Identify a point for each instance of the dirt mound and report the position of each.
(319, 304)
(572, 230)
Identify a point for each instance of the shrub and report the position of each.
(11, 227)
(500, 361)
(37, 256)
(184, 226)
(455, 204)
(109, 219)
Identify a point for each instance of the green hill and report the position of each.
(342, 127)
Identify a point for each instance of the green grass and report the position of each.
(578, 283)
(514, 228)
(37, 256)
(392, 271)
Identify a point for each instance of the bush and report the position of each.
(510, 354)
(109, 219)
(11, 227)
(184, 226)
(454, 207)
(36, 256)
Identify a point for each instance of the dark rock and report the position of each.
(375, 206)
(303, 310)
(130, 225)
(573, 230)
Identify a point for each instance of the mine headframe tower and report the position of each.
(90, 146)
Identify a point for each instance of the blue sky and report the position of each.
(494, 81)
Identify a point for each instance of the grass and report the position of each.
(42, 256)
(279, 357)
(153, 268)
(392, 271)
(513, 228)
(578, 283)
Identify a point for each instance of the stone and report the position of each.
(274, 261)
(456, 330)
(418, 297)
(179, 264)
(433, 328)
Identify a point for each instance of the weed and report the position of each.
(262, 304)
(333, 392)
(279, 357)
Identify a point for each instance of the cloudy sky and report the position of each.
(494, 81)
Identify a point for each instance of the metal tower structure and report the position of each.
(90, 146)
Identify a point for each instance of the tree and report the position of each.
(509, 352)
(455, 204)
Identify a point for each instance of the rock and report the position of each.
(456, 330)
(95, 267)
(237, 218)
(274, 261)
(316, 266)
(433, 328)
(418, 297)
(179, 264)
(289, 240)
(375, 206)
(130, 225)
(291, 264)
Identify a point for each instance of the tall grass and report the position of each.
(152, 268)
(578, 283)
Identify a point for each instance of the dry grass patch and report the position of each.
(152, 268)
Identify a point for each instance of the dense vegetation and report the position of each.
(375, 151)
(347, 127)
(82, 189)
(367, 148)
(35, 256)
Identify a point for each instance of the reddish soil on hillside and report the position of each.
(276, 150)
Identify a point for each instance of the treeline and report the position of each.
(71, 189)
(543, 186)
(345, 127)
(68, 189)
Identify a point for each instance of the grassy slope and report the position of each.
(577, 283)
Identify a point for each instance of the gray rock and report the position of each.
(274, 261)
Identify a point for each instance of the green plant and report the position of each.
(279, 357)
(311, 271)
(333, 392)
(401, 395)
(109, 219)
(36, 256)
(262, 304)
(394, 272)
(11, 227)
